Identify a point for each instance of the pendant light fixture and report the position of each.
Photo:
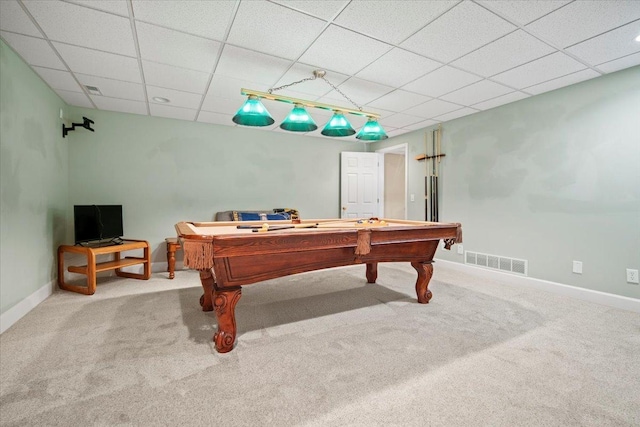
(253, 113)
(299, 120)
(338, 126)
(371, 131)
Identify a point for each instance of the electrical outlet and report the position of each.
(460, 249)
(413, 197)
(632, 276)
(577, 267)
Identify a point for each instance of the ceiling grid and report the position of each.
(416, 63)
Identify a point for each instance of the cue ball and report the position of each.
(265, 226)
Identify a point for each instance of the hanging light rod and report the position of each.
(253, 113)
(306, 103)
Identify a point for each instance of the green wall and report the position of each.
(164, 171)
(551, 179)
(33, 180)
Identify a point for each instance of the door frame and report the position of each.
(395, 149)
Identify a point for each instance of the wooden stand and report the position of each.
(93, 267)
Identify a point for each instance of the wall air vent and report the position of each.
(93, 90)
(496, 262)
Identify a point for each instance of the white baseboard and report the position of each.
(611, 300)
(15, 313)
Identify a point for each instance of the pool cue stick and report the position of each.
(426, 177)
(431, 178)
(251, 227)
(435, 176)
(260, 229)
(346, 226)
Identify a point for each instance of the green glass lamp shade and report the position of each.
(338, 126)
(253, 113)
(299, 120)
(372, 131)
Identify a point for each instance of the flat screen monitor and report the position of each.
(97, 222)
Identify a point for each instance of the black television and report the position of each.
(97, 223)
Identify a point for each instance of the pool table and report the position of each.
(229, 255)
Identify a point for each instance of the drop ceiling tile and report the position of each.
(215, 118)
(461, 30)
(70, 23)
(562, 81)
(230, 88)
(476, 92)
(507, 52)
(523, 12)
(178, 98)
(421, 125)
(456, 114)
(397, 132)
(399, 120)
(619, 64)
(78, 99)
(584, 19)
(252, 66)
(543, 69)
(118, 7)
(433, 108)
(360, 91)
(399, 100)
(34, 51)
(443, 80)
(102, 64)
(262, 26)
(390, 21)
(113, 88)
(169, 112)
(326, 9)
(13, 18)
(58, 79)
(343, 51)
(398, 67)
(203, 18)
(216, 104)
(500, 100)
(171, 77)
(120, 105)
(317, 87)
(609, 46)
(174, 48)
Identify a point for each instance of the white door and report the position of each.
(359, 185)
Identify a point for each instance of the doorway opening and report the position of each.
(393, 178)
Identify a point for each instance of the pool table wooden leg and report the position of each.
(372, 272)
(208, 281)
(425, 271)
(224, 303)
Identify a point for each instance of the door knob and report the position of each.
(344, 208)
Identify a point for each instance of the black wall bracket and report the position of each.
(85, 124)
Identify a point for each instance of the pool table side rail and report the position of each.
(200, 250)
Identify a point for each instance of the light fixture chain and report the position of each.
(341, 93)
(290, 84)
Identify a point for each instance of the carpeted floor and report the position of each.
(323, 349)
